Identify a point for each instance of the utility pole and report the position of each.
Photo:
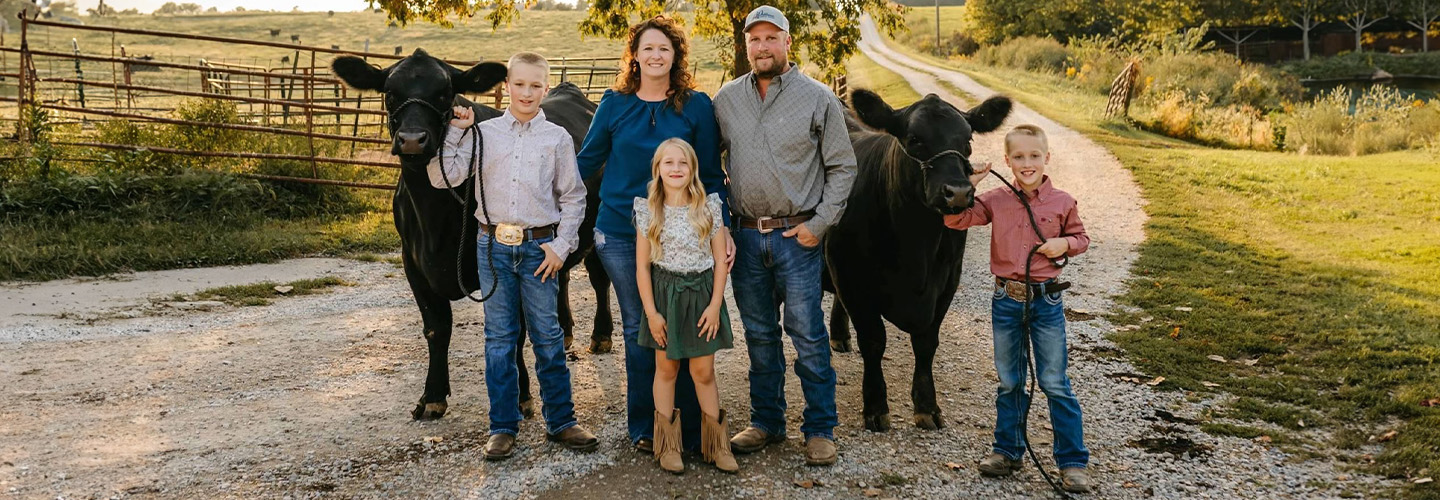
(937, 26)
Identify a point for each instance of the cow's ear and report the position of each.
(479, 79)
(872, 110)
(989, 114)
(359, 74)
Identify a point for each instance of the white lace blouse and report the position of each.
(681, 248)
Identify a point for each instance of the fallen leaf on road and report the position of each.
(1210, 384)
(284, 289)
(873, 492)
(954, 466)
(1216, 358)
(1175, 334)
(1262, 439)
(433, 439)
(807, 484)
(1157, 381)
(1387, 436)
(1130, 484)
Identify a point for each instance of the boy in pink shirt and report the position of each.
(1013, 244)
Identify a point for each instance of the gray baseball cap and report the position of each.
(767, 14)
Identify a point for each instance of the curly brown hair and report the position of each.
(681, 81)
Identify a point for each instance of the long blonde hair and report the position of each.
(700, 216)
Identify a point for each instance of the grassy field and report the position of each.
(551, 33)
(1310, 275)
(865, 74)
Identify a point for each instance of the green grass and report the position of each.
(260, 294)
(863, 73)
(50, 247)
(921, 22)
(1318, 267)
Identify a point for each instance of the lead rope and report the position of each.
(1025, 319)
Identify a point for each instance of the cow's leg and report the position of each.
(436, 315)
(567, 319)
(527, 403)
(600, 342)
(870, 331)
(839, 327)
(922, 386)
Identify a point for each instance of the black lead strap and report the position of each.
(476, 142)
(1025, 319)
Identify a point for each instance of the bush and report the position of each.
(1364, 64)
(1321, 126)
(1222, 77)
(1028, 53)
(1176, 114)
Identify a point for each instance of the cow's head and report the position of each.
(419, 91)
(936, 138)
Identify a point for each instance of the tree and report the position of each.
(130, 12)
(190, 8)
(1421, 14)
(239, 8)
(1361, 14)
(827, 32)
(212, 10)
(1236, 20)
(1304, 14)
(101, 10)
(170, 8)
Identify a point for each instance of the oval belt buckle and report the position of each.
(509, 234)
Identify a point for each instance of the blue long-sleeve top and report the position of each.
(623, 137)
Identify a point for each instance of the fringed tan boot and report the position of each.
(715, 443)
(667, 442)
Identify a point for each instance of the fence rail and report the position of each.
(298, 98)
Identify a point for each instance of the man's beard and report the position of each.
(778, 65)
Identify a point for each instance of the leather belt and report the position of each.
(512, 235)
(767, 224)
(1016, 289)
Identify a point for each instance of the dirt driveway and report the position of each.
(109, 393)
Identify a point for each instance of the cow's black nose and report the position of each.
(959, 196)
(412, 142)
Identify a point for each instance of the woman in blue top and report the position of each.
(654, 99)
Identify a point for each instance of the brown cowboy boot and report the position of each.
(713, 444)
(667, 442)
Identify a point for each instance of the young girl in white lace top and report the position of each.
(680, 270)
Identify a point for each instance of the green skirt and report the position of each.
(681, 298)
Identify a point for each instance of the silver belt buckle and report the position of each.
(509, 234)
(760, 225)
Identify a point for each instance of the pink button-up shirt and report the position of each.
(1012, 238)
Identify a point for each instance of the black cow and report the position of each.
(419, 90)
(890, 256)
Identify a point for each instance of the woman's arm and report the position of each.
(595, 150)
(647, 290)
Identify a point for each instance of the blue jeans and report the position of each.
(771, 270)
(515, 268)
(1047, 338)
(617, 254)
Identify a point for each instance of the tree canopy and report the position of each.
(825, 33)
